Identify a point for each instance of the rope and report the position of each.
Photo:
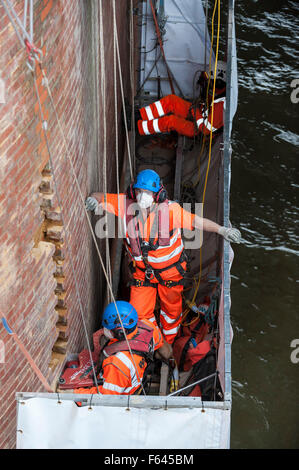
(46, 83)
(32, 51)
(26, 354)
(103, 90)
(15, 21)
(194, 383)
(65, 229)
(132, 79)
(30, 18)
(87, 218)
(67, 154)
(161, 47)
(122, 96)
(208, 87)
(211, 130)
(115, 108)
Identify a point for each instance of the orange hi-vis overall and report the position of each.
(119, 370)
(172, 113)
(167, 263)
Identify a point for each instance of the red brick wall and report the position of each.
(35, 271)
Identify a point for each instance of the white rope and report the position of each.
(132, 77)
(103, 91)
(123, 98)
(67, 155)
(31, 20)
(15, 21)
(116, 112)
(25, 14)
(33, 52)
(65, 231)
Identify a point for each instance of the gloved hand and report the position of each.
(230, 234)
(91, 204)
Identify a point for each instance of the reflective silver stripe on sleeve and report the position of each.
(208, 125)
(156, 126)
(159, 108)
(149, 113)
(199, 122)
(145, 127)
(127, 362)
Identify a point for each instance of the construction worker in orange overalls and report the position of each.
(172, 113)
(123, 368)
(152, 229)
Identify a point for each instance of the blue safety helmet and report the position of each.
(148, 179)
(127, 313)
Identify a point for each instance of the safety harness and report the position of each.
(142, 344)
(141, 248)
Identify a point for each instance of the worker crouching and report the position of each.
(131, 347)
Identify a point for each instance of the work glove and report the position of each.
(91, 204)
(230, 234)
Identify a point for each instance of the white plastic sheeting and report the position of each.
(44, 423)
(186, 45)
(234, 69)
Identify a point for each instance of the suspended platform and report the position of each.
(186, 415)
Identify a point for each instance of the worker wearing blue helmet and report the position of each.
(153, 241)
(131, 347)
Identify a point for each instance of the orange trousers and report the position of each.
(155, 117)
(172, 113)
(144, 300)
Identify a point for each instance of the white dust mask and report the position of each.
(144, 200)
(108, 333)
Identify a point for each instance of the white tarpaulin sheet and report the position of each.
(44, 423)
(186, 45)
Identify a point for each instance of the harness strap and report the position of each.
(147, 283)
(184, 352)
(156, 272)
(138, 246)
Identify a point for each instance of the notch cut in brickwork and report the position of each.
(51, 231)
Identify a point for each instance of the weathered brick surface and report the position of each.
(37, 285)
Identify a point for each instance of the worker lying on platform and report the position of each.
(172, 113)
(130, 349)
(155, 247)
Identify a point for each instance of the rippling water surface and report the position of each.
(264, 206)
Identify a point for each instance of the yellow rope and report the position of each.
(211, 134)
(207, 93)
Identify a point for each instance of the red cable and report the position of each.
(161, 47)
(27, 355)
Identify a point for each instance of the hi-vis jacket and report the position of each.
(119, 370)
(172, 113)
(159, 257)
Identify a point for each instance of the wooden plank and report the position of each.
(164, 379)
(178, 169)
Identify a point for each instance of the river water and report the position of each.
(264, 188)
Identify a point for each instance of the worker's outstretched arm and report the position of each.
(113, 203)
(230, 234)
(93, 201)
